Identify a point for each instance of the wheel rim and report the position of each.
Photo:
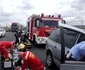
(49, 60)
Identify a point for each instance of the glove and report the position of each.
(7, 59)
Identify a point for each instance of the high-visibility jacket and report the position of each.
(30, 60)
(4, 45)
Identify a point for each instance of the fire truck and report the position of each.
(39, 27)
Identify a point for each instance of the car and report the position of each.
(2, 32)
(65, 36)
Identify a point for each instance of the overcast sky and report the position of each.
(72, 11)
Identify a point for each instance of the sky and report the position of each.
(73, 11)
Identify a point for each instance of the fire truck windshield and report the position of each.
(49, 23)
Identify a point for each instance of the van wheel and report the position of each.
(49, 60)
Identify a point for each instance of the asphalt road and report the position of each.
(38, 51)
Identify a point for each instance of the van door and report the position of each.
(71, 38)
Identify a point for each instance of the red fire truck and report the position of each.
(39, 27)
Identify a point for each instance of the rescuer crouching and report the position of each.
(4, 45)
(29, 60)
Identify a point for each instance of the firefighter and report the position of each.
(23, 37)
(4, 45)
(25, 40)
(18, 36)
(22, 48)
(30, 60)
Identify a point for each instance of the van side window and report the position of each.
(70, 37)
(55, 34)
(81, 38)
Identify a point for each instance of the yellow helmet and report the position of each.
(21, 46)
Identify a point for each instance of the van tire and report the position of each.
(49, 60)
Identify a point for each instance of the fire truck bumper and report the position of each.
(42, 40)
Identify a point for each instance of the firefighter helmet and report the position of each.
(21, 46)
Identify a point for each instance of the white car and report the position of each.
(2, 32)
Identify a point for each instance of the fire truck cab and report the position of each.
(39, 27)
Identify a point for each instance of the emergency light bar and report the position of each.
(51, 19)
(42, 15)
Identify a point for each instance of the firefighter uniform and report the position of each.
(22, 48)
(30, 60)
(4, 45)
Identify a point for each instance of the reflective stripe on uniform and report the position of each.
(27, 55)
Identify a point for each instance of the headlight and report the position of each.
(41, 39)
